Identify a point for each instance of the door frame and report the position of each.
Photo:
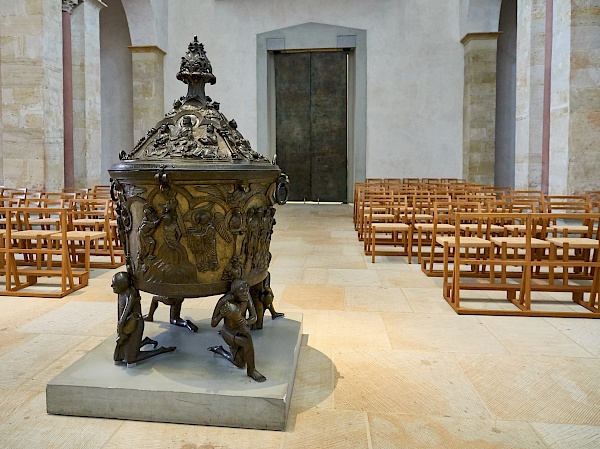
(307, 37)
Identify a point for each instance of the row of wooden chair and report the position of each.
(56, 237)
(421, 219)
(544, 256)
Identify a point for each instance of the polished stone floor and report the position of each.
(385, 362)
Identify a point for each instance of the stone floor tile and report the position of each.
(17, 310)
(536, 388)
(564, 436)
(532, 335)
(339, 329)
(441, 333)
(319, 428)
(315, 381)
(11, 401)
(288, 261)
(329, 260)
(427, 300)
(586, 333)
(39, 381)
(314, 276)
(31, 427)
(73, 318)
(33, 356)
(290, 247)
(286, 275)
(404, 382)
(348, 277)
(404, 279)
(376, 299)
(387, 263)
(10, 339)
(429, 432)
(316, 297)
(149, 435)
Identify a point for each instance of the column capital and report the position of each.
(147, 49)
(68, 5)
(493, 35)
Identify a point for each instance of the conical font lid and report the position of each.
(195, 129)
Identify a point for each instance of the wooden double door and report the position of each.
(312, 123)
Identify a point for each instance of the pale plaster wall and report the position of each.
(479, 16)
(86, 93)
(117, 91)
(414, 71)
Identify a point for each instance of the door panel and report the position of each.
(328, 126)
(292, 81)
(311, 114)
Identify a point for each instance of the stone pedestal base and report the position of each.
(189, 386)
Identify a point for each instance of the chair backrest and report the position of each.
(101, 192)
(567, 203)
(80, 192)
(48, 209)
(86, 208)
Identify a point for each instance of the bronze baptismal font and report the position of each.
(195, 214)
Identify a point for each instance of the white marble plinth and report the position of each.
(189, 386)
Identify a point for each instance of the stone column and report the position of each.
(575, 103)
(479, 107)
(148, 88)
(32, 114)
(86, 93)
(531, 25)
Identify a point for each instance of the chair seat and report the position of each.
(88, 222)
(464, 242)
(31, 233)
(519, 242)
(570, 229)
(473, 227)
(391, 226)
(421, 217)
(520, 228)
(428, 227)
(49, 221)
(379, 217)
(575, 242)
(79, 235)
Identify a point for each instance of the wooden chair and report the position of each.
(379, 208)
(39, 257)
(567, 204)
(456, 244)
(532, 254)
(398, 232)
(427, 233)
(94, 215)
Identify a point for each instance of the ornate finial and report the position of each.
(195, 70)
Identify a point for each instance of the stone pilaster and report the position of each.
(479, 107)
(148, 88)
(574, 142)
(531, 23)
(32, 117)
(85, 26)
